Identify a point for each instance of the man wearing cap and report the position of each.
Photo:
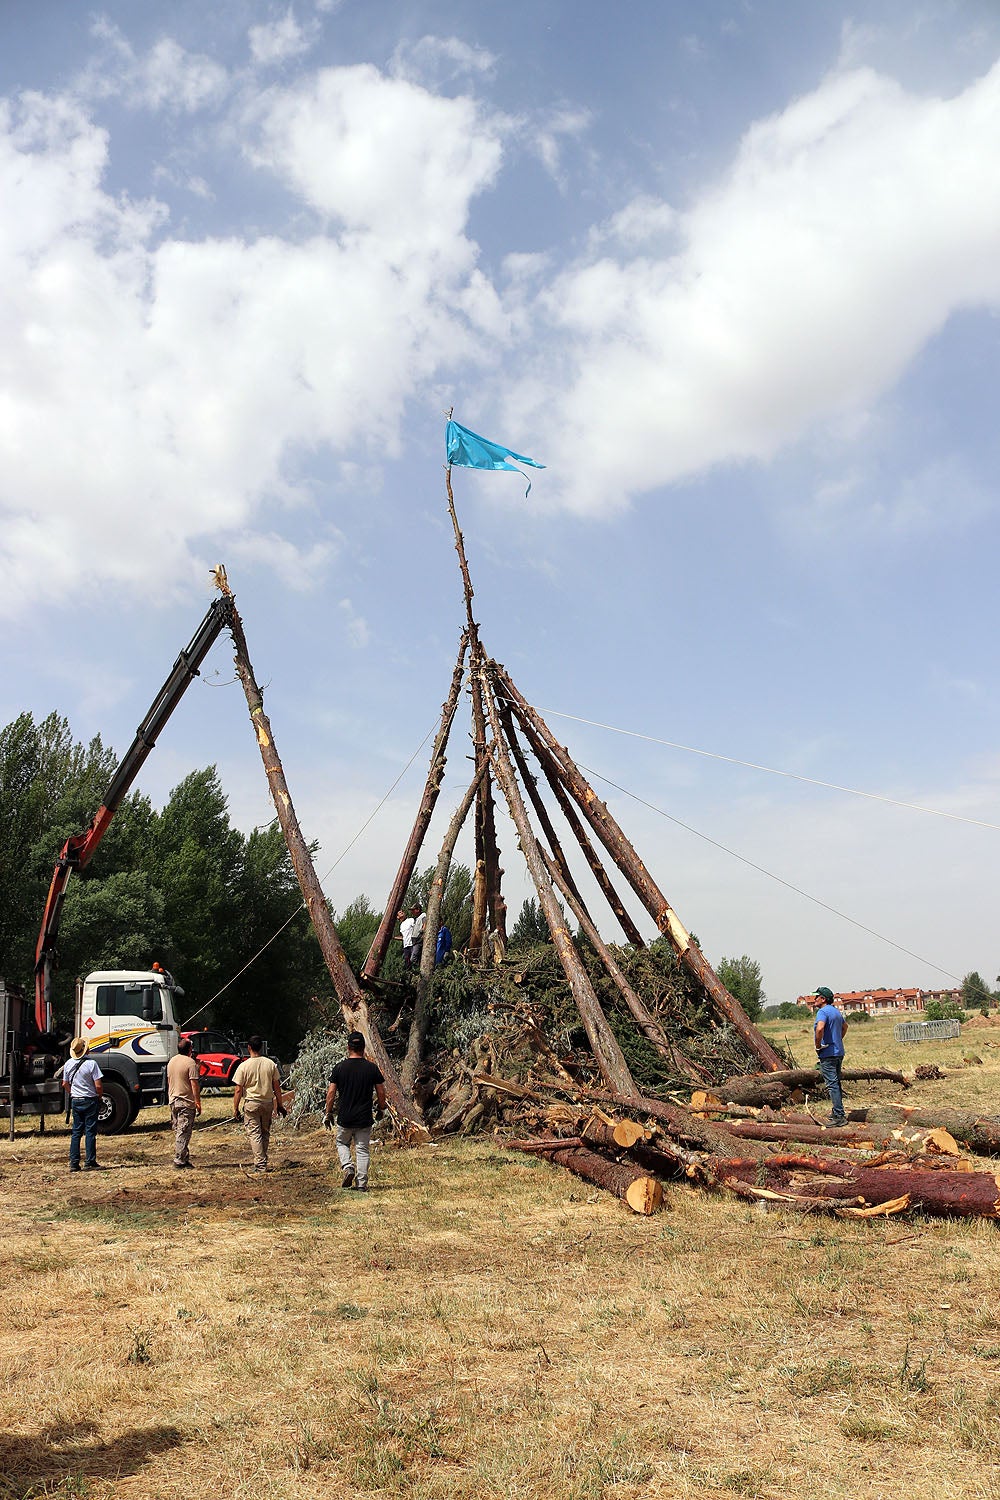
(82, 1081)
(830, 1026)
(352, 1083)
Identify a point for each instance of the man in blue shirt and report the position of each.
(443, 946)
(829, 1032)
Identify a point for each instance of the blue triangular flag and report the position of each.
(470, 451)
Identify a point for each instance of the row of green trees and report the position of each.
(179, 885)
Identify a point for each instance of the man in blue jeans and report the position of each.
(82, 1081)
(829, 1031)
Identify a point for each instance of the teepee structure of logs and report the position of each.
(596, 1122)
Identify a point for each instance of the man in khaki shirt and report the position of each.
(259, 1086)
(184, 1095)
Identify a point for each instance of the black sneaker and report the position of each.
(74, 1166)
(181, 1166)
(95, 1166)
(348, 1179)
(362, 1187)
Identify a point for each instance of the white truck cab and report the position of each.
(128, 1018)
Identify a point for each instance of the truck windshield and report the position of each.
(142, 1000)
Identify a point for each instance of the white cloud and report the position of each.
(152, 389)
(848, 230)
(358, 632)
(549, 136)
(298, 568)
(383, 156)
(433, 60)
(167, 77)
(280, 41)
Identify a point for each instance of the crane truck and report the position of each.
(129, 1018)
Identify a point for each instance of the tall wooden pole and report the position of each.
(487, 898)
(432, 786)
(421, 1008)
(604, 1045)
(349, 992)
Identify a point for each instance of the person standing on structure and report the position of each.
(419, 923)
(352, 1084)
(184, 1095)
(406, 935)
(830, 1026)
(443, 946)
(259, 1086)
(82, 1082)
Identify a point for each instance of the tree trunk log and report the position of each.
(432, 786)
(590, 854)
(947, 1194)
(860, 1137)
(771, 1089)
(421, 1011)
(607, 1053)
(348, 990)
(980, 1133)
(632, 867)
(642, 1193)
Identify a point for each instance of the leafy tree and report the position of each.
(181, 885)
(356, 928)
(976, 993)
(743, 980)
(786, 1011)
(530, 927)
(943, 1010)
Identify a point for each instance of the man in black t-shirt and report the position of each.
(352, 1084)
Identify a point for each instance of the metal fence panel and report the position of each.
(927, 1031)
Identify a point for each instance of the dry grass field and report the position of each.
(483, 1325)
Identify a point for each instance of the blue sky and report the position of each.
(730, 270)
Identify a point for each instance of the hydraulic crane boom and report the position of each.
(78, 850)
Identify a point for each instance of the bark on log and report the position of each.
(348, 990)
(421, 1011)
(432, 786)
(648, 1149)
(590, 854)
(948, 1194)
(632, 867)
(980, 1133)
(607, 1053)
(771, 1089)
(487, 899)
(642, 1193)
(870, 1138)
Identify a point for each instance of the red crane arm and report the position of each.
(79, 849)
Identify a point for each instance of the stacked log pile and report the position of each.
(853, 1174)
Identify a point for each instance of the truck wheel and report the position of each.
(115, 1113)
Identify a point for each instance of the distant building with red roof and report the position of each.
(883, 1002)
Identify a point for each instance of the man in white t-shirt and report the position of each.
(82, 1081)
(417, 939)
(406, 933)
